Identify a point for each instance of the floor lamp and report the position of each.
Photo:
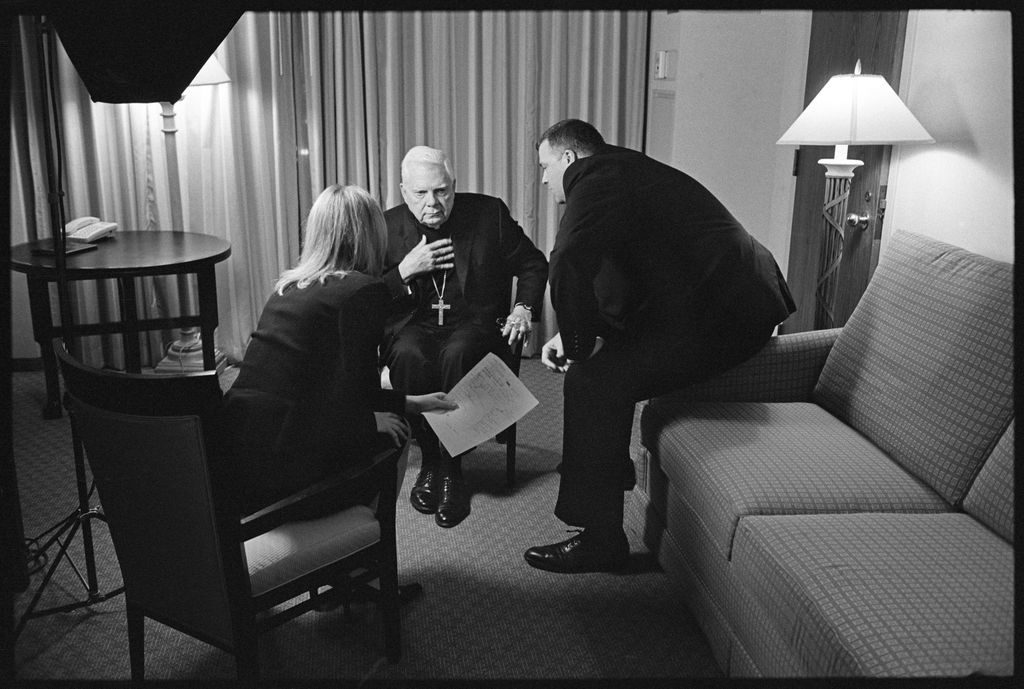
(79, 520)
(185, 353)
(851, 110)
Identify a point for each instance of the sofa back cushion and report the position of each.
(923, 367)
(990, 499)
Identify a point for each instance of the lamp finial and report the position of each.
(856, 69)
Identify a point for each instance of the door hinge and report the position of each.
(882, 191)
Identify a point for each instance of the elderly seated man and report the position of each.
(451, 259)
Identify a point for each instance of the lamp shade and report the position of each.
(210, 73)
(856, 109)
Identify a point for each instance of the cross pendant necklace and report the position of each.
(440, 306)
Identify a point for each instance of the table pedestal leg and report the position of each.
(43, 333)
(206, 284)
(130, 318)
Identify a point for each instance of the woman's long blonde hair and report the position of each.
(344, 231)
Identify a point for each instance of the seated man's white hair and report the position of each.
(427, 155)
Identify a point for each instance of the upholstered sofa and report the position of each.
(842, 503)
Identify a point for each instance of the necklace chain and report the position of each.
(440, 306)
(444, 284)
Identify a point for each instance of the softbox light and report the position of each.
(126, 51)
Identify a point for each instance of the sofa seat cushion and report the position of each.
(990, 498)
(883, 594)
(733, 459)
(923, 367)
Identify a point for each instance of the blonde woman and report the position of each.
(307, 401)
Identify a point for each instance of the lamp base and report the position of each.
(833, 212)
(185, 355)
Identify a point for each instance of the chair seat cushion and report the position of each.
(884, 595)
(732, 459)
(297, 548)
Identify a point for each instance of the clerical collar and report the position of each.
(443, 231)
(439, 232)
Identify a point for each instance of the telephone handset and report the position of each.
(89, 229)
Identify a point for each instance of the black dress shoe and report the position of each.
(454, 503)
(425, 492)
(582, 553)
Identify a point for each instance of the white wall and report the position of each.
(957, 80)
(738, 84)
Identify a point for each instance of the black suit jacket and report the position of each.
(648, 248)
(302, 404)
(490, 248)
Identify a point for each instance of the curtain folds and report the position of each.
(480, 85)
(322, 98)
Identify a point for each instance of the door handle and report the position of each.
(858, 222)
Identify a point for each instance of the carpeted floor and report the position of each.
(484, 615)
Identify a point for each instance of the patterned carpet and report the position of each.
(484, 615)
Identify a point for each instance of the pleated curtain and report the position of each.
(322, 98)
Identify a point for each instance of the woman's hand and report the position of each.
(392, 424)
(434, 401)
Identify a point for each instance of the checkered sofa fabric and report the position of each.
(990, 498)
(922, 367)
(785, 370)
(841, 504)
(733, 459)
(883, 595)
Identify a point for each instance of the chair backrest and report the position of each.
(143, 437)
(196, 393)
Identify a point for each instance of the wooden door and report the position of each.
(838, 40)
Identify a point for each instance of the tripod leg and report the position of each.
(83, 506)
(28, 614)
(79, 519)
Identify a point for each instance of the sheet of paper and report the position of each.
(490, 397)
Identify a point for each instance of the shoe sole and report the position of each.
(613, 568)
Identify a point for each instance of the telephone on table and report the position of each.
(88, 229)
(82, 235)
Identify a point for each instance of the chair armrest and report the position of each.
(515, 356)
(784, 370)
(379, 471)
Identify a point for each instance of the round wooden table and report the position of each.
(123, 256)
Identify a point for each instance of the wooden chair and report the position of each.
(188, 558)
(508, 436)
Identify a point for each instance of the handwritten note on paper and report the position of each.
(490, 397)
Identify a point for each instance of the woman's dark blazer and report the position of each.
(302, 405)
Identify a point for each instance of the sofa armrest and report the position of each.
(784, 370)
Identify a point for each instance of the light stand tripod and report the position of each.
(64, 532)
(67, 528)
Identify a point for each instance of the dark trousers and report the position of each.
(425, 358)
(600, 394)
